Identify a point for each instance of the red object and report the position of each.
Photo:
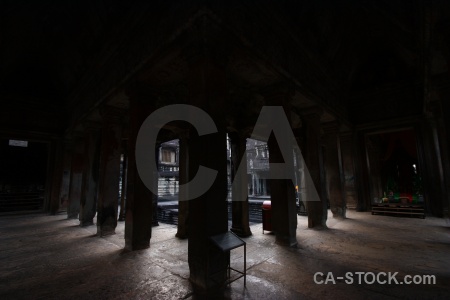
(406, 195)
(267, 216)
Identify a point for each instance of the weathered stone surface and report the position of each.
(76, 180)
(317, 216)
(138, 216)
(239, 207)
(333, 169)
(110, 151)
(89, 193)
(93, 268)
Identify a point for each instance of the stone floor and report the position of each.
(50, 257)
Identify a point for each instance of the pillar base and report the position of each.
(105, 231)
(72, 216)
(241, 232)
(286, 241)
(181, 235)
(339, 213)
(212, 293)
(319, 227)
(134, 247)
(86, 223)
(208, 274)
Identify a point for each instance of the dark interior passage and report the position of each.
(23, 168)
(394, 163)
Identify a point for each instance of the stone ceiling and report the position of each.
(336, 52)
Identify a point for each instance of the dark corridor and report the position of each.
(23, 169)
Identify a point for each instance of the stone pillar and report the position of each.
(138, 212)
(90, 174)
(361, 171)
(299, 166)
(441, 148)
(183, 175)
(124, 180)
(348, 170)
(76, 179)
(443, 134)
(333, 169)
(66, 175)
(208, 213)
(253, 184)
(239, 207)
(374, 155)
(110, 151)
(282, 191)
(155, 188)
(432, 168)
(57, 176)
(282, 195)
(317, 210)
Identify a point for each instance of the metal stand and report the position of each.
(227, 242)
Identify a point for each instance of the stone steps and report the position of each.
(10, 202)
(169, 213)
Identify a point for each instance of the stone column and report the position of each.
(66, 175)
(110, 151)
(348, 170)
(155, 187)
(317, 210)
(56, 176)
(361, 171)
(374, 152)
(432, 167)
(282, 195)
(208, 213)
(90, 174)
(239, 207)
(300, 168)
(76, 179)
(138, 212)
(440, 132)
(443, 136)
(333, 169)
(183, 175)
(124, 180)
(253, 184)
(282, 191)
